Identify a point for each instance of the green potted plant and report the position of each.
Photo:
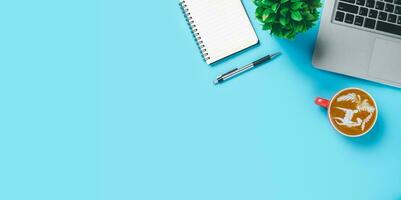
(287, 18)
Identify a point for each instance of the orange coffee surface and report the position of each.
(353, 112)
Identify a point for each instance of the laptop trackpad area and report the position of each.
(385, 63)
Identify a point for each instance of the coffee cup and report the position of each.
(352, 111)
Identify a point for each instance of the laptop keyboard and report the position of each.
(381, 15)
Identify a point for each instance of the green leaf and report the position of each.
(259, 13)
(315, 4)
(257, 2)
(266, 14)
(284, 1)
(288, 26)
(296, 16)
(309, 25)
(260, 10)
(267, 27)
(274, 1)
(284, 11)
(275, 7)
(266, 3)
(287, 34)
(297, 5)
(309, 17)
(271, 18)
(284, 20)
(297, 27)
(316, 15)
(304, 28)
(277, 30)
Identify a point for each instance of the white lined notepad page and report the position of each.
(222, 26)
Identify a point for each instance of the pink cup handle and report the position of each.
(322, 102)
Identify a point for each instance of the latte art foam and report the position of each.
(353, 112)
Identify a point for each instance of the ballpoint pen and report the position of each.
(245, 68)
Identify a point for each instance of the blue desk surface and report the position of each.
(110, 100)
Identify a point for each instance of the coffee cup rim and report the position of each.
(329, 116)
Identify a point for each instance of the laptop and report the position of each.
(361, 38)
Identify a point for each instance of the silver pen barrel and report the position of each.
(245, 68)
(232, 73)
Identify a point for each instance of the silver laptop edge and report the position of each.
(357, 51)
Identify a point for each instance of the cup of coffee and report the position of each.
(352, 111)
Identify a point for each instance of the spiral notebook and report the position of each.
(220, 27)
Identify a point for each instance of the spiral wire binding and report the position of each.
(194, 31)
